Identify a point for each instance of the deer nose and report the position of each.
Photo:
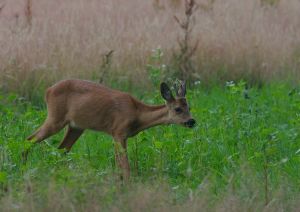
(190, 123)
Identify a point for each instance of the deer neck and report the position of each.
(150, 116)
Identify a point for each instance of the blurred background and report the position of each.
(43, 41)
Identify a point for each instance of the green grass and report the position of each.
(246, 148)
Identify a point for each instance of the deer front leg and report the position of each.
(121, 157)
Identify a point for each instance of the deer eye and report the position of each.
(178, 110)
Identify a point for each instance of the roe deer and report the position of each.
(86, 105)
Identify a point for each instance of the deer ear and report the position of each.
(166, 93)
(181, 91)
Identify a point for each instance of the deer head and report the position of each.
(178, 108)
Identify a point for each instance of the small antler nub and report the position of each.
(181, 89)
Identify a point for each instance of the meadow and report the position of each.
(242, 156)
(243, 89)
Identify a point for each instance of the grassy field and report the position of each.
(244, 155)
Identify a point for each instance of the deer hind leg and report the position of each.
(46, 130)
(70, 138)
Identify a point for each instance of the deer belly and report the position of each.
(98, 126)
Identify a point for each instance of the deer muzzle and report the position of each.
(190, 123)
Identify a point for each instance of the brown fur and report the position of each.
(86, 105)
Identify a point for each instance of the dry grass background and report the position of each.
(237, 38)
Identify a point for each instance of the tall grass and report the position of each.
(157, 196)
(43, 41)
